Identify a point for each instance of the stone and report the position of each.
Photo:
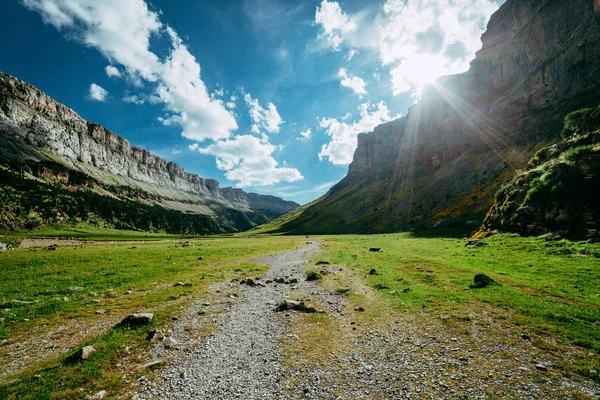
(76, 288)
(541, 367)
(98, 396)
(525, 336)
(293, 281)
(250, 282)
(170, 343)
(359, 309)
(101, 312)
(84, 353)
(375, 249)
(137, 319)
(153, 364)
(373, 271)
(155, 336)
(178, 284)
(481, 281)
(200, 258)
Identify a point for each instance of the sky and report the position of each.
(265, 95)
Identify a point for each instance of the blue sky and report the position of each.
(267, 95)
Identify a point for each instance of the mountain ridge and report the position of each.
(34, 128)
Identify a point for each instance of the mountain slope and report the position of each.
(443, 162)
(46, 142)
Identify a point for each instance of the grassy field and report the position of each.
(43, 305)
(548, 289)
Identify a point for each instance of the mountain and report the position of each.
(441, 164)
(55, 150)
(558, 190)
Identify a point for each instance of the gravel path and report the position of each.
(241, 359)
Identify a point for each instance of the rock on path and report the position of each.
(241, 359)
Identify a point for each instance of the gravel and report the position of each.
(240, 360)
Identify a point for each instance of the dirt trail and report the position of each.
(241, 359)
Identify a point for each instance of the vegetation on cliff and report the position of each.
(558, 190)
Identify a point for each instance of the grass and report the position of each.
(140, 275)
(548, 289)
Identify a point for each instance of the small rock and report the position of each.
(170, 343)
(525, 336)
(155, 336)
(293, 280)
(393, 292)
(137, 319)
(101, 312)
(360, 309)
(65, 299)
(129, 291)
(98, 396)
(373, 271)
(481, 281)
(178, 284)
(250, 282)
(406, 290)
(111, 295)
(541, 367)
(84, 353)
(200, 258)
(76, 288)
(93, 294)
(96, 301)
(152, 364)
(375, 249)
(380, 286)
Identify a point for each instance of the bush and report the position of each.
(582, 121)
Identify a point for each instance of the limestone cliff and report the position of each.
(444, 161)
(269, 205)
(36, 128)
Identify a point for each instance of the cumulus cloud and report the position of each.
(335, 23)
(427, 39)
(340, 149)
(112, 71)
(97, 93)
(353, 82)
(305, 135)
(121, 31)
(248, 160)
(263, 118)
(419, 40)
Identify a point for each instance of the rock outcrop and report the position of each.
(35, 128)
(558, 190)
(445, 160)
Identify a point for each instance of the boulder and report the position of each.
(375, 249)
(155, 336)
(84, 353)
(481, 281)
(137, 319)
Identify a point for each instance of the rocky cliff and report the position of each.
(269, 205)
(443, 162)
(35, 128)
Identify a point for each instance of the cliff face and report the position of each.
(35, 127)
(444, 161)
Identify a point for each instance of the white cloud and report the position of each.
(263, 118)
(420, 40)
(335, 23)
(248, 160)
(427, 39)
(351, 54)
(97, 93)
(133, 99)
(121, 31)
(340, 149)
(112, 71)
(353, 82)
(305, 135)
